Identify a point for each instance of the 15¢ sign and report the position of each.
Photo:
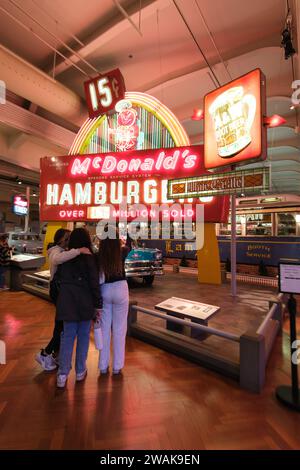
(103, 92)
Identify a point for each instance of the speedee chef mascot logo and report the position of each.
(127, 133)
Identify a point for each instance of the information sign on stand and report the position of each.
(289, 283)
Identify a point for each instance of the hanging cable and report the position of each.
(196, 42)
(125, 14)
(294, 78)
(30, 30)
(140, 15)
(160, 55)
(62, 28)
(212, 39)
(216, 84)
(70, 49)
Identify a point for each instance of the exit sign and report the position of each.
(103, 92)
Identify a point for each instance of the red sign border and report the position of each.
(263, 107)
(93, 114)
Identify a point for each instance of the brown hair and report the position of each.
(80, 238)
(110, 257)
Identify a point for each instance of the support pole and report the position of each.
(233, 245)
(28, 209)
(290, 396)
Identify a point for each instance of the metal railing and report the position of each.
(254, 346)
(253, 279)
(240, 277)
(262, 328)
(196, 326)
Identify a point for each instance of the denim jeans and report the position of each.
(81, 329)
(114, 319)
(2, 276)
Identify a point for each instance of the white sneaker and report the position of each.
(47, 362)
(81, 376)
(61, 380)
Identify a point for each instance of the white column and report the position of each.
(233, 245)
(28, 208)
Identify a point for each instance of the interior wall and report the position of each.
(25, 150)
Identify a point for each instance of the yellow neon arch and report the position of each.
(151, 104)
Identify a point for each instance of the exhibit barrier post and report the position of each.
(132, 316)
(252, 361)
(278, 314)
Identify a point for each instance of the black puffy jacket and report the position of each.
(79, 292)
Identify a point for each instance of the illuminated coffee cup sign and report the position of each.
(234, 131)
(233, 114)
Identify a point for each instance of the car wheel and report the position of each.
(148, 280)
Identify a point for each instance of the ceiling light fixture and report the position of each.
(274, 121)
(198, 114)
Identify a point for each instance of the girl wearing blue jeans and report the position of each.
(79, 301)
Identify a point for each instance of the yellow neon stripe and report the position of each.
(84, 134)
(89, 132)
(79, 136)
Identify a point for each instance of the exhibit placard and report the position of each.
(246, 182)
(289, 278)
(188, 308)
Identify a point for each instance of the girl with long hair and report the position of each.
(58, 253)
(114, 290)
(79, 301)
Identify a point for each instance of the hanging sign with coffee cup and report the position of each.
(234, 133)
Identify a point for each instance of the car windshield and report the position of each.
(28, 237)
(32, 237)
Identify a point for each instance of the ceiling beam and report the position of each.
(30, 123)
(105, 33)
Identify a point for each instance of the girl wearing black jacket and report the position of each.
(79, 301)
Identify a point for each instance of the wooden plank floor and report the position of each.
(162, 401)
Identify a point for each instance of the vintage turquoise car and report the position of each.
(145, 263)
